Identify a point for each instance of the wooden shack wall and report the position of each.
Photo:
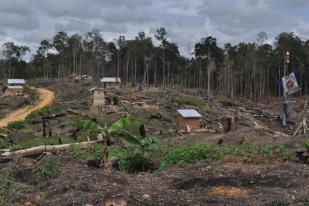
(12, 92)
(194, 123)
(111, 84)
(98, 98)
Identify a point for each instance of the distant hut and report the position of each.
(188, 119)
(15, 87)
(8, 91)
(98, 96)
(109, 82)
(81, 78)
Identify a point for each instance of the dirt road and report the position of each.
(46, 97)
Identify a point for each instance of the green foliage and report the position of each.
(189, 101)
(92, 152)
(306, 144)
(54, 109)
(16, 125)
(115, 100)
(156, 95)
(181, 155)
(9, 189)
(242, 140)
(138, 158)
(47, 168)
(3, 144)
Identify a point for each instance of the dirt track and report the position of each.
(46, 97)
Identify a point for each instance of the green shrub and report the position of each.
(306, 144)
(9, 189)
(16, 125)
(92, 152)
(47, 168)
(189, 101)
(115, 100)
(135, 159)
(54, 109)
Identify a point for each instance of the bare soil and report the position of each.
(206, 183)
(46, 97)
(228, 182)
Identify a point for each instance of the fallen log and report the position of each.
(271, 131)
(45, 148)
(3, 135)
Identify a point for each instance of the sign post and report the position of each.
(290, 86)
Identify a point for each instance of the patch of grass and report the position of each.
(47, 168)
(9, 189)
(91, 152)
(306, 144)
(16, 125)
(160, 156)
(198, 151)
(54, 109)
(156, 95)
(189, 100)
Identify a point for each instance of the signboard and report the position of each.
(290, 84)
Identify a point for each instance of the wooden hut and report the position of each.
(109, 82)
(81, 78)
(188, 119)
(14, 87)
(98, 96)
(12, 91)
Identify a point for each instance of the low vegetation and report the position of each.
(9, 189)
(16, 125)
(157, 155)
(47, 168)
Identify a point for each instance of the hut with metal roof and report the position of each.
(109, 82)
(15, 87)
(188, 119)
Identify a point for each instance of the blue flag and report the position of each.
(279, 83)
(296, 72)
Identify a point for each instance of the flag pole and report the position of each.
(285, 115)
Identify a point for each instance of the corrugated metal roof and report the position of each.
(16, 81)
(110, 79)
(189, 113)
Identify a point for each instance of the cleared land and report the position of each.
(255, 165)
(46, 97)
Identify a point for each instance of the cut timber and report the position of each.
(303, 124)
(267, 129)
(42, 149)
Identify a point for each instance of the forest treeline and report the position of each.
(247, 70)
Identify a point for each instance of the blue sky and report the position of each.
(187, 21)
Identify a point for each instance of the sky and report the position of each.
(28, 22)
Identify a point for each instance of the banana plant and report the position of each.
(119, 128)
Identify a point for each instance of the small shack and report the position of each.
(81, 78)
(98, 96)
(109, 82)
(8, 91)
(188, 119)
(14, 87)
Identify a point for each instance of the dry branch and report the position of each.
(45, 148)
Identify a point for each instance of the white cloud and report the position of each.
(30, 21)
